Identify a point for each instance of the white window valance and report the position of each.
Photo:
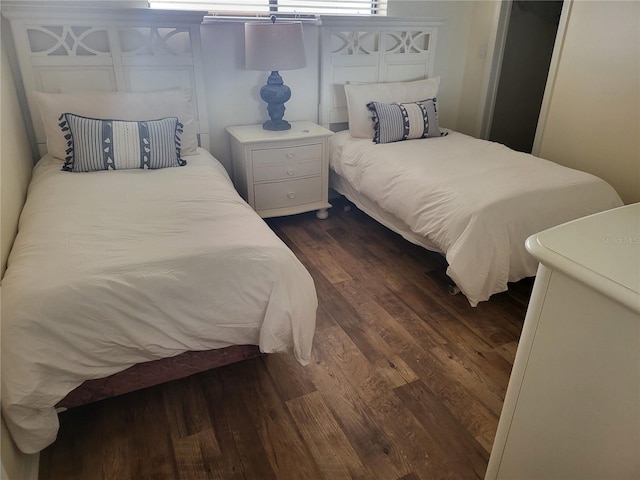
(287, 7)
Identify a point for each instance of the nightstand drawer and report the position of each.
(284, 171)
(298, 153)
(287, 194)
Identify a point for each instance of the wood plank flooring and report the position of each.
(406, 381)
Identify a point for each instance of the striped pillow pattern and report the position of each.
(394, 122)
(99, 144)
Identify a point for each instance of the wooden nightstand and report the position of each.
(282, 173)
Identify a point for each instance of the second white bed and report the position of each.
(474, 201)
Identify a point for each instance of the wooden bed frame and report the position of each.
(62, 50)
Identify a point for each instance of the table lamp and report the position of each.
(272, 47)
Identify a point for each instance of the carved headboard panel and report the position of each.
(371, 50)
(68, 50)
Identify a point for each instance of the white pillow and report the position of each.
(359, 95)
(116, 106)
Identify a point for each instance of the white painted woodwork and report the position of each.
(572, 408)
(371, 51)
(282, 173)
(65, 50)
(589, 118)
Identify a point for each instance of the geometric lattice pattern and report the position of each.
(367, 43)
(101, 41)
(406, 42)
(355, 43)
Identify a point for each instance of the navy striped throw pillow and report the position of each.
(393, 122)
(97, 144)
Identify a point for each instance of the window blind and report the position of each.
(267, 7)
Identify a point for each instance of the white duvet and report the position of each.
(472, 200)
(110, 269)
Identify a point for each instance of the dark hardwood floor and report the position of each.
(406, 381)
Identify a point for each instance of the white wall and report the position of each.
(234, 93)
(601, 46)
(15, 160)
(477, 66)
(15, 173)
(593, 115)
(459, 60)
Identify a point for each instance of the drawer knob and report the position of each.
(289, 155)
(290, 172)
(291, 195)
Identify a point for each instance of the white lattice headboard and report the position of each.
(371, 50)
(64, 50)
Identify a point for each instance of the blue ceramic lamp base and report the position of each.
(275, 93)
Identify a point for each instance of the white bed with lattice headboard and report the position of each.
(135, 50)
(369, 51)
(136, 261)
(473, 201)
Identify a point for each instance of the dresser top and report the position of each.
(298, 131)
(601, 250)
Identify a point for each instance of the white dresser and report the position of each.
(282, 172)
(572, 408)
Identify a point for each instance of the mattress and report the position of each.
(472, 200)
(113, 268)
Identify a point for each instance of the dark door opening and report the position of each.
(527, 54)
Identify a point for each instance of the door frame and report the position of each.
(491, 75)
(551, 78)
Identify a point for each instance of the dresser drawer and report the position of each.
(298, 153)
(289, 170)
(287, 194)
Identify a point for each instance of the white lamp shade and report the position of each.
(274, 46)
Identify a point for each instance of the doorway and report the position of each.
(531, 35)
